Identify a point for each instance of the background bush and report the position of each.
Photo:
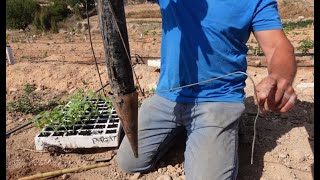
(20, 13)
(79, 7)
(305, 45)
(48, 17)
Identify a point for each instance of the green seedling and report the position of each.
(80, 107)
(305, 45)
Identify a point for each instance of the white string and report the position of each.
(219, 77)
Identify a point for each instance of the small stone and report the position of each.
(287, 164)
(179, 170)
(13, 89)
(72, 90)
(164, 177)
(257, 63)
(301, 17)
(65, 176)
(170, 168)
(305, 85)
(282, 156)
(183, 177)
(135, 176)
(40, 88)
(164, 169)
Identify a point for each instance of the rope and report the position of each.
(94, 56)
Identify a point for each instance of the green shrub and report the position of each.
(289, 26)
(29, 102)
(79, 7)
(49, 16)
(305, 45)
(20, 13)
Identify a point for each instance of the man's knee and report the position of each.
(128, 163)
(124, 164)
(131, 165)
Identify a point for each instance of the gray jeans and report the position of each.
(212, 137)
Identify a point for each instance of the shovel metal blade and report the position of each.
(126, 107)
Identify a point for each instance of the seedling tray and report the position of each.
(100, 131)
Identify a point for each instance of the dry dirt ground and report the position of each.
(58, 64)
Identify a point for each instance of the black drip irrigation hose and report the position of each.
(18, 128)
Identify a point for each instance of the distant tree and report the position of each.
(48, 17)
(79, 7)
(20, 13)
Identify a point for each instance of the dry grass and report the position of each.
(144, 14)
(288, 9)
(294, 9)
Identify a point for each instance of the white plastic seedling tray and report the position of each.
(102, 131)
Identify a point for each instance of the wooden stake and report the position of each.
(116, 45)
(9, 55)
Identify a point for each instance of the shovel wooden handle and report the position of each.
(64, 171)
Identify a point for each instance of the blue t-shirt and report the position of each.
(203, 39)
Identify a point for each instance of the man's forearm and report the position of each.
(275, 92)
(282, 65)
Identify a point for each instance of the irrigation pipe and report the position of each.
(18, 127)
(64, 171)
(103, 62)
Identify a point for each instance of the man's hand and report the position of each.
(275, 92)
(275, 95)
